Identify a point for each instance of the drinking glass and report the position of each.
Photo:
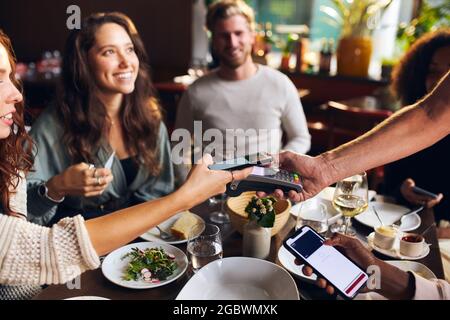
(313, 213)
(220, 216)
(350, 198)
(204, 245)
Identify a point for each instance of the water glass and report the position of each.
(204, 245)
(313, 213)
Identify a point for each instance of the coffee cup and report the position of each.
(385, 237)
(412, 244)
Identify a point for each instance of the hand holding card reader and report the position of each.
(267, 180)
(330, 264)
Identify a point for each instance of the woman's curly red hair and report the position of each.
(16, 149)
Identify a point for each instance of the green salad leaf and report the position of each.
(149, 265)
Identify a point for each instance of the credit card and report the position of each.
(110, 161)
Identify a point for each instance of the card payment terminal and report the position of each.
(267, 180)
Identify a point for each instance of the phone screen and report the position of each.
(332, 265)
(242, 162)
(260, 158)
(232, 164)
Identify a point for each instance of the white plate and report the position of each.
(328, 193)
(240, 278)
(388, 212)
(415, 267)
(287, 261)
(332, 214)
(404, 265)
(395, 251)
(87, 298)
(113, 267)
(153, 234)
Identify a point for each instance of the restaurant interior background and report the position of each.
(295, 36)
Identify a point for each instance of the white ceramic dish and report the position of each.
(154, 235)
(287, 261)
(113, 267)
(332, 215)
(404, 265)
(240, 278)
(410, 222)
(389, 213)
(395, 251)
(415, 267)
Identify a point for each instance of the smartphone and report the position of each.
(257, 159)
(424, 192)
(341, 272)
(109, 162)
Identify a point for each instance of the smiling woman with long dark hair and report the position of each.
(107, 104)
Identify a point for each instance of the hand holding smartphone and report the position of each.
(257, 159)
(424, 192)
(330, 264)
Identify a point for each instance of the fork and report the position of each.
(164, 235)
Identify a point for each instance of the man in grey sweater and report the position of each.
(249, 106)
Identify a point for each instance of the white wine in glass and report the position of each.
(351, 198)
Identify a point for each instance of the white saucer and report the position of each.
(287, 261)
(395, 251)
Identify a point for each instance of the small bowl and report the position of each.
(236, 210)
(385, 237)
(412, 244)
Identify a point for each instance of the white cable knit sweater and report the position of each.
(34, 255)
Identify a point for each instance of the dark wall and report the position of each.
(165, 27)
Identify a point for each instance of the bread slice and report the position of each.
(183, 225)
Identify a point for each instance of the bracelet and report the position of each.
(43, 192)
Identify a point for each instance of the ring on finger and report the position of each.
(98, 180)
(95, 173)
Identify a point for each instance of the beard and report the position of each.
(235, 62)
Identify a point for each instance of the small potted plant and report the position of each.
(357, 19)
(257, 232)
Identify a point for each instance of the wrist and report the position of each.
(182, 199)
(326, 169)
(395, 283)
(54, 188)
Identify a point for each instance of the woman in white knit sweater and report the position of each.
(34, 255)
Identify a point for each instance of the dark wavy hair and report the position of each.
(409, 75)
(83, 114)
(16, 149)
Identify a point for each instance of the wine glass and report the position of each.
(351, 198)
(220, 216)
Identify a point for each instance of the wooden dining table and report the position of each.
(94, 283)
